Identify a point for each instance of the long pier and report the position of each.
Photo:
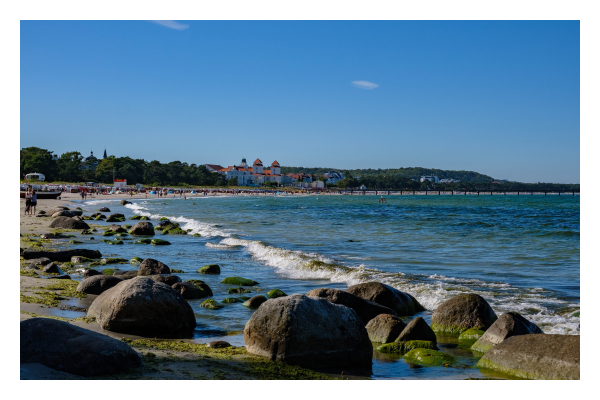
(455, 193)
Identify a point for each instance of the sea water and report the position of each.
(521, 253)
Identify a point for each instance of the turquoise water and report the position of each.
(520, 253)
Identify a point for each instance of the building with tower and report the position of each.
(252, 176)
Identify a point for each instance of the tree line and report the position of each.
(67, 168)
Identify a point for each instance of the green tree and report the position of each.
(34, 159)
(232, 182)
(68, 166)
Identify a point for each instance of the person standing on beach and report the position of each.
(33, 202)
(27, 201)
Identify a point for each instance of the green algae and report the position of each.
(45, 298)
(239, 281)
(109, 271)
(211, 269)
(135, 217)
(244, 298)
(486, 364)
(160, 242)
(108, 233)
(453, 330)
(471, 334)
(273, 294)
(196, 282)
(75, 242)
(136, 260)
(210, 304)
(480, 347)
(143, 241)
(428, 357)
(28, 272)
(175, 230)
(163, 219)
(196, 235)
(66, 287)
(405, 347)
(114, 260)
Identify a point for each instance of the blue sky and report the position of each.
(500, 98)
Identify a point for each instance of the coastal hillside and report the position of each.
(406, 173)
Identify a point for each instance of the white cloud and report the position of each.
(365, 85)
(172, 25)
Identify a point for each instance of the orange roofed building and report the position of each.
(253, 176)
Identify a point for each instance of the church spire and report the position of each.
(104, 152)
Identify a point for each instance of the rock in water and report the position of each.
(142, 228)
(151, 266)
(168, 279)
(385, 328)
(98, 283)
(239, 281)
(417, 329)
(117, 228)
(308, 331)
(68, 223)
(210, 269)
(466, 311)
(103, 209)
(52, 269)
(72, 349)
(189, 291)
(509, 324)
(274, 293)
(124, 202)
(125, 274)
(387, 296)
(143, 307)
(115, 218)
(365, 309)
(535, 356)
(255, 302)
(90, 272)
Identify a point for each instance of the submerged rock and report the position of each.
(189, 291)
(428, 357)
(402, 303)
(160, 242)
(471, 334)
(255, 302)
(238, 281)
(365, 309)
(72, 349)
(211, 304)
(385, 328)
(405, 347)
(210, 269)
(143, 307)
(535, 356)
(275, 293)
(509, 324)
(308, 331)
(466, 311)
(68, 223)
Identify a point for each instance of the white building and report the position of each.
(430, 178)
(252, 176)
(448, 180)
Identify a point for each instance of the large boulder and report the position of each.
(168, 279)
(51, 269)
(140, 306)
(97, 284)
(65, 347)
(61, 255)
(68, 223)
(308, 331)
(117, 228)
(189, 291)
(402, 303)
(417, 329)
(115, 218)
(385, 328)
(466, 311)
(366, 310)
(151, 266)
(142, 228)
(255, 302)
(103, 209)
(535, 356)
(509, 324)
(64, 213)
(210, 269)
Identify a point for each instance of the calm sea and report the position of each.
(521, 253)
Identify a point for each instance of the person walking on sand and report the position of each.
(28, 201)
(33, 202)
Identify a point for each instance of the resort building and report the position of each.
(430, 178)
(448, 180)
(252, 176)
(333, 176)
(90, 162)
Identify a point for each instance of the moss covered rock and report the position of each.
(189, 291)
(463, 312)
(237, 290)
(108, 233)
(202, 286)
(163, 219)
(135, 217)
(211, 304)
(144, 218)
(177, 271)
(196, 281)
(174, 231)
(160, 242)
(471, 334)
(405, 347)
(113, 260)
(229, 300)
(212, 269)
(275, 293)
(239, 281)
(75, 242)
(144, 241)
(428, 357)
(80, 260)
(196, 234)
(509, 324)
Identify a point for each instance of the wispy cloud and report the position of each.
(172, 25)
(365, 85)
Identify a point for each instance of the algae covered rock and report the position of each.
(80, 260)
(160, 242)
(117, 229)
(229, 300)
(202, 286)
(275, 293)
(535, 356)
(211, 304)
(115, 218)
(143, 307)
(417, 329)
(509, 324)
(151, 266)
(255, 302)
(471, 334)
(238, 281)
(142, 229)
(365, 309)
(136, 260)
(113, 260)
(405, 347)
(103, 209)
(212, 269)
(196, 235)
(385, 328)
(428, 357)
(75, 242)
(308, 331)
(65, 347)
(237, 290)
(143, 241)
(97, 284)
(167, 279)
(387, 296)
(466, 311)
(218, 344)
